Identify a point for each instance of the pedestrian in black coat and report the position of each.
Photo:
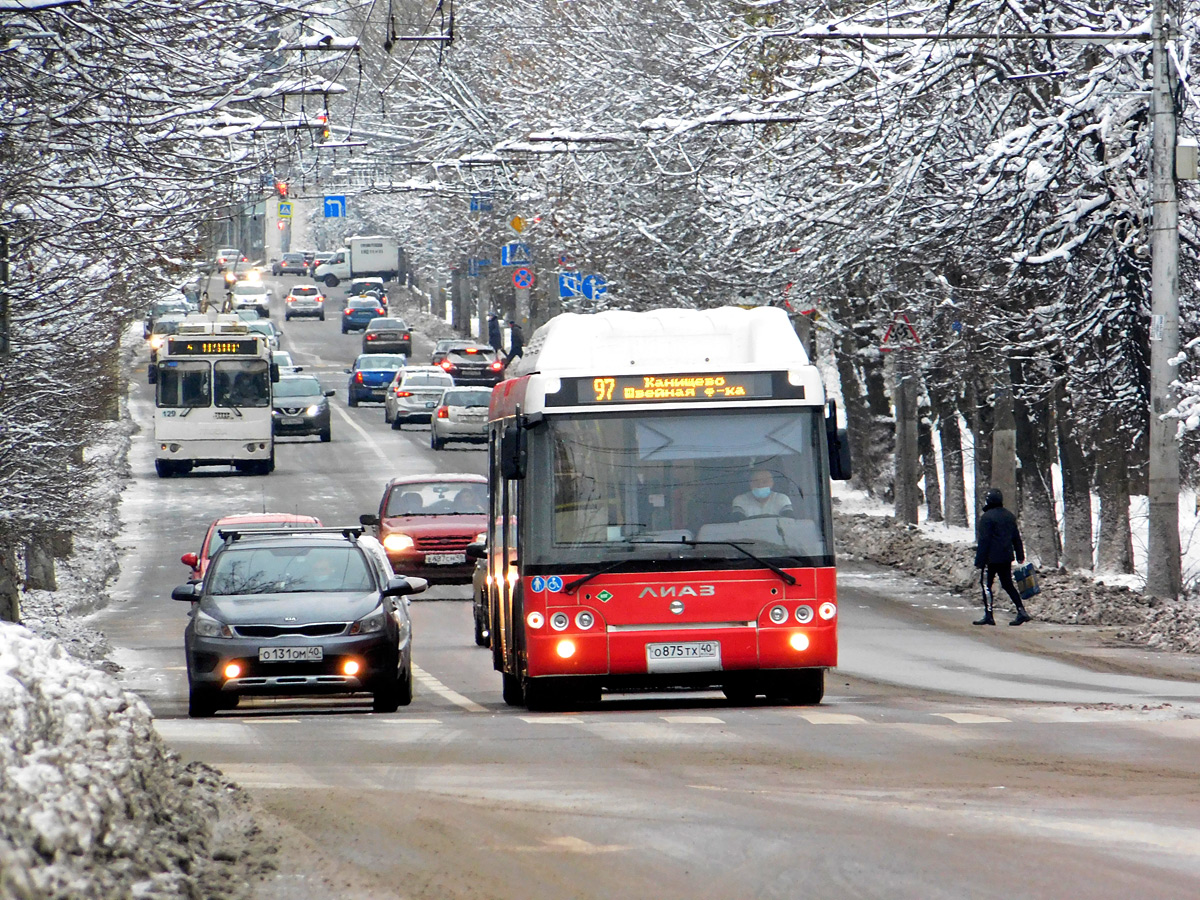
(997, 541)
(495, 337)
(516, 341)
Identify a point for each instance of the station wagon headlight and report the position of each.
(397, 542)
(371, 623)
(313, 410)
(207, 626)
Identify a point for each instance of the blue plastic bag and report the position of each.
(1026, 581)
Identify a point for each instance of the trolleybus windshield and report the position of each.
(667, 485)
(184, 383)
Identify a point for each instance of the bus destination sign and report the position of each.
(214, 346)
(674, 388)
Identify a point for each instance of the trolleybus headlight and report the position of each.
(827, 610)
(535, 620)
(799, 640)
(559, 621)
(350, 667)
(778, 614)
(233, 670)
(397, 542)
(584, 621)
(565, 649)
(804, 614)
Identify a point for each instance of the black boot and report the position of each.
(1022, 617)
(986, 620)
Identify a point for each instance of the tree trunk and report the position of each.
(952, 460)
(1114, 552)
(907, 463)
(39, 565)
(10, 588)
(980, 417)
(1076, 487)
(933, 486)
(1039, 528)
(858, 416)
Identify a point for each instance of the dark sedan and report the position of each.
(290, 264)
(370, 376)
(359, 312)
(294, 612)
(476, 364)
(385, 335)
(301, 407)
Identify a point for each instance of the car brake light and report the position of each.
(346, 313)
(403, 393)
(472, 350)
(443, 412)
(380, 311)
(371, 337)
(358, 377)
(497, 365)
(446, 364)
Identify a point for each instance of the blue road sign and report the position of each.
(285, 210)
(335, 206)
(481, 202)
(515, 254)
(475, 266)
(570, 284)
(594, 287)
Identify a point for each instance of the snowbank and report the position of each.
(92, 803)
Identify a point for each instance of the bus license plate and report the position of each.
(684, 656)
(445, 559)
(291, 654)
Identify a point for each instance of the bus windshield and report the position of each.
(683, 485)
(242, 383)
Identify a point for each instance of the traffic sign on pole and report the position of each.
(522, 278)
(594, 287)
(515, 254)
(285, 209)
(570, 284)
(335, 206)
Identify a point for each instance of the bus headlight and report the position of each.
(778, 614)
(397, 542)
(584, 621)
(559, 621)
(535, 620)
(826, 610)
(804, 614)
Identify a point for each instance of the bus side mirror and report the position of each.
(152, 373)
(512, 452)
(839, 446)
(274, 373)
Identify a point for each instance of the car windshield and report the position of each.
(433, 498)
(389, 324)
(381, 361)
(467, 398)
(261, 327)
(242, 383)
(293, 257)
(304, 291)
(362, 303)
(246, 287)
(288, 570)
(643, 485)
(427, 379)
(472, 354)
(166, 326)
(297, 387)
(184, 383)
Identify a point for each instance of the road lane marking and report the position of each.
(430, 683)
(829, 718)
(693, 720)
(971, 718)
(551, 720)
(568, 844)
(362, 433)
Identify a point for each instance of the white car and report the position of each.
(251, 295)
(461, 416)
(284, 360)
(414, 394)
(304, 300)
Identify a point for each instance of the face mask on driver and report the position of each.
(761, 493)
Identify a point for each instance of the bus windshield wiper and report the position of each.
(787, 579)
(573, 586)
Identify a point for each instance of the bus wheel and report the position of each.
(164, 467)
(806, 687)
(513, 695)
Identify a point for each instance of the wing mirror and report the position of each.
(189, 592)
(368, 520)
(399, 585)
(191, 560)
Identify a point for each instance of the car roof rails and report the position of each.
(350, 532)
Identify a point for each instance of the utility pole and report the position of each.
(1163, 571)
(5, 315)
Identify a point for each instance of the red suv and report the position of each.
(242, 522)
(426, 521)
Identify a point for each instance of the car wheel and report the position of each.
(387, 416)
(436, 442)
(287, 317)
(203, 702)
(326, 436)
(352, 399)
(390, 694)
(321, 317)
(397, 423)
(345, 329)
(404, 693)
(331, 281)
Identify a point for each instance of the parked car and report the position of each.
(293, 612)
(462, 415)
(301, 406)
(387, 335)
(370, 376)
(414, 394)
(267, 329)
(198, 562)
(252, 295)
(179, 307)
(290, 264)
(359, 312)
(426, 521)
(473, 364)
(304, 300)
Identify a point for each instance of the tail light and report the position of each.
(400, 393)
(443, 412)
(472, 350)
(346, 313)
(497, 366)
(446, 364)
(291, 299)
(380, 311)
(358, 377)
(371, 337)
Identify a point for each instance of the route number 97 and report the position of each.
(603, 388)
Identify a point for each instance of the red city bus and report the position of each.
(660, 510)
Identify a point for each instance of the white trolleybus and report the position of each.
(660, 511)
(213, 398)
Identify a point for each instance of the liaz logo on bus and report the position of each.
(677, 590)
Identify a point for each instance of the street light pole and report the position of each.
(1163, 571)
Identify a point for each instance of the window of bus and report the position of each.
(646, 484)
(242, 382)
(184, 383)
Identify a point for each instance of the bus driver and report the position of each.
(761, 499)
